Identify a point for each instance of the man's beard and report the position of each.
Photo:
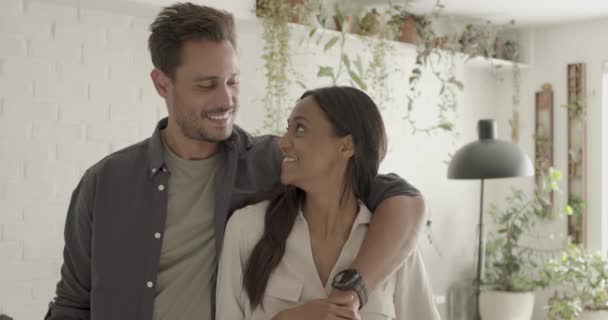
(189, 126)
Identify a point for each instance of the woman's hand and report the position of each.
(322, 309)
(345, 298)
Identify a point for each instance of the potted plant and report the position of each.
(582, 277)
(407, 26)
(511, 268)
(343, 22)
(371, 23)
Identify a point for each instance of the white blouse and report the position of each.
(405, 295)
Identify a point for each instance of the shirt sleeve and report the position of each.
(73, 291)
(413, 293)
(230, 295)
(389, 185)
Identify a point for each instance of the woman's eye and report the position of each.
(299, 129)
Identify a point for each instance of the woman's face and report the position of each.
(314, 156)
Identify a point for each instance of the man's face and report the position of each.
(202, 99)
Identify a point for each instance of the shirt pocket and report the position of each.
(380, 307)
(284, 288)
(282, 292)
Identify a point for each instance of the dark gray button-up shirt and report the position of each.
(118, 210)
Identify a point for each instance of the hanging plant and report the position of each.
(376, 35)
(352, 67)
(491, 46)
(485, 41)
(512, 50)
(434, 53)
(276, 15)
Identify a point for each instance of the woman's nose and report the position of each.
(284, 142)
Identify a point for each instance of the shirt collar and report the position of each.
(155, 148)
(156, 152)
(364, 216)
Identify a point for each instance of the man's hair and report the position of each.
(184, 22)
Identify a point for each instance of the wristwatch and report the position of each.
(350, 279)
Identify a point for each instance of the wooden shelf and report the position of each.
(408, 48)
(481, 62)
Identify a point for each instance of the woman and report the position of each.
(280, 256)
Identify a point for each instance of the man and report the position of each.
(145, 224)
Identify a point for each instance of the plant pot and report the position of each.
(594, 315)
(371, 24)
(502, 305)
(298, 14)
(301, 15)
(348, 23)
(408, 32)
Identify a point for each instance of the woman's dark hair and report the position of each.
(351, 112)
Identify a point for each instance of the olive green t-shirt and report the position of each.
(188, 258)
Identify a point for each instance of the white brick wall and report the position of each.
(74, 86)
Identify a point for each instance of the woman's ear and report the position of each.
(347, 147)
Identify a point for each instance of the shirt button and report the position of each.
(153, 170)
(150, 284)
(157, 235)
(161, 187)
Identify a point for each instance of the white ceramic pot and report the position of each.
(502, 305)
(594, 315)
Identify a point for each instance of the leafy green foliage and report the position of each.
(510, 265)
(583, 279)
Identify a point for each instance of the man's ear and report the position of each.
(347, 147)
(161, 82)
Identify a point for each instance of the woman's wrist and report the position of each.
(278, 316)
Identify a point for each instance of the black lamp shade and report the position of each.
(489, 158)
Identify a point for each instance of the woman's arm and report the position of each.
(230, 299)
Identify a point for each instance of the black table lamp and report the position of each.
(487, 158)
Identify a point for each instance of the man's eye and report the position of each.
(205, 85)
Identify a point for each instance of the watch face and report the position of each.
(347, 277)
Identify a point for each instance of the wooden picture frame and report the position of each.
(577, 152)
(543, 135)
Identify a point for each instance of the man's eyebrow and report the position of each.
(197, 79)
(202, 78)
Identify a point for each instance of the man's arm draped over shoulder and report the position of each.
(399, 213)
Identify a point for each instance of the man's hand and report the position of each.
(322, 309)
